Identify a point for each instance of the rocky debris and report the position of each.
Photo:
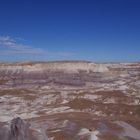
(19, 129)
(91, 133)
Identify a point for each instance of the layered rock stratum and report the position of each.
(72, 100)
(64, 66)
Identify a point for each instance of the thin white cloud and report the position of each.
(11, 47)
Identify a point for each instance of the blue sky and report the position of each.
(97, 30)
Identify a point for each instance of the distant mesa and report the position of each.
(65, 66)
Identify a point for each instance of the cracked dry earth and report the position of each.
(74, 106)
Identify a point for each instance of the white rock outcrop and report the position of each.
(70, 67)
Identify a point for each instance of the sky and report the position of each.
(95, 30)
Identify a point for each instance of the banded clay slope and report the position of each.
(72, 100)
(66, 66)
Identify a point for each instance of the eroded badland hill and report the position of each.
(72, 100)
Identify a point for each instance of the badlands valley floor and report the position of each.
(72, 100)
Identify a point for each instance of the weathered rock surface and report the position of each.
(64, 66)
(16, 130)
(64, 99)
(19, 129)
